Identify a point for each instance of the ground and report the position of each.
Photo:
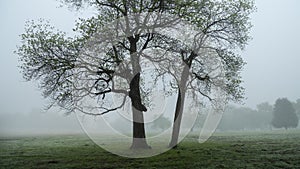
(275, 149)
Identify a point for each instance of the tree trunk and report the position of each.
(179, 108)
(139, 136)
(177, 119)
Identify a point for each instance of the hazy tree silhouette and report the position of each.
(297, 107)
(284, 115)
(161, 123)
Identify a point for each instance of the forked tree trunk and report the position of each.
(139, 136)
(138, 127)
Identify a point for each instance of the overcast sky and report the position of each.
(273, 56)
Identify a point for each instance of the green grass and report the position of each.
(230, 150)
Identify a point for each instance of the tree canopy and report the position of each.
(284, 115)
(105, 56)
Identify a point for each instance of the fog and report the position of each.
(37, 123)
(272, 57)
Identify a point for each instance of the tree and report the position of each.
(245, 118)
(239, 118)
(284, 114)
(223, 28)
(265, 113)
(264, 107)
(297, 106)
(71, 70)
(161, 123)
(110, 45)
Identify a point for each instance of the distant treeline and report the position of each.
(261, 118)
(235, 118)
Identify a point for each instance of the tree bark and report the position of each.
(139, 136)
(179, 108)
(177, 119)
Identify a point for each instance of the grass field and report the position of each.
(278, 149)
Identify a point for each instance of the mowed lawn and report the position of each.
(279, 149)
